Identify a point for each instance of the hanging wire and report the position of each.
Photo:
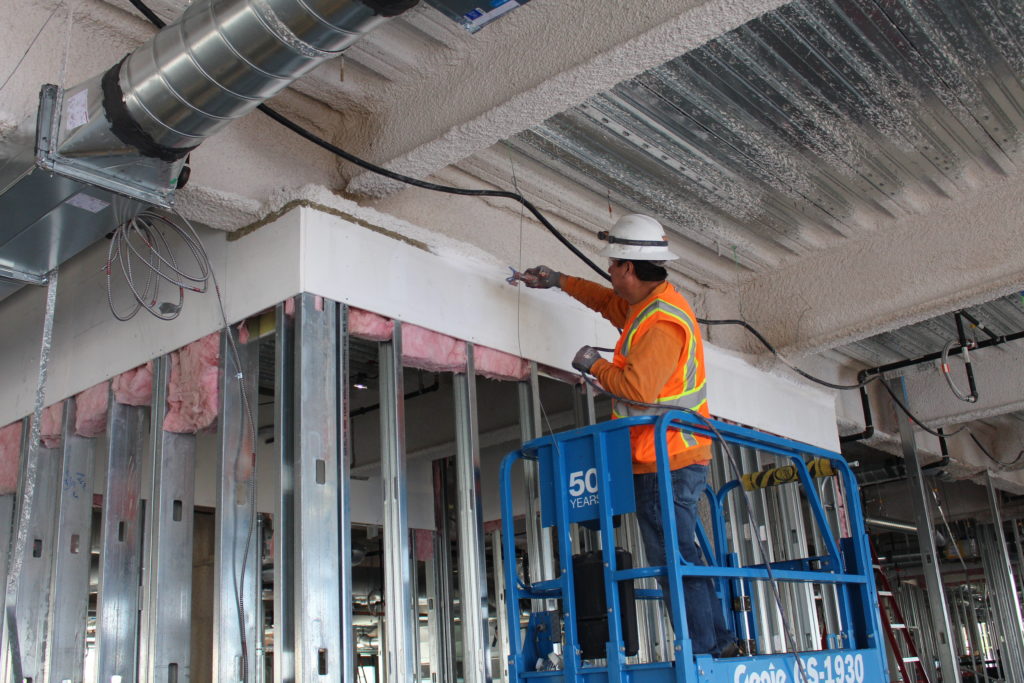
(967, 396)
(142, 247)
(142, 252)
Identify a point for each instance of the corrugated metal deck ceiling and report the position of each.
(802, 128)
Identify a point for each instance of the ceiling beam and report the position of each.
(953, 253)
(523, 69)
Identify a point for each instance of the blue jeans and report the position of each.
(703, 608)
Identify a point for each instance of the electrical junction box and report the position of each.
(475, 14)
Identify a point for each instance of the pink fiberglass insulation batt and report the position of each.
(50, 425)
(427, 350)
(495, 364)
(192, 393)
(10, 457)
(370, 326)
(135, 387)
(91, 411)
(423, 540)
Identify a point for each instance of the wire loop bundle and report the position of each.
(143, 247)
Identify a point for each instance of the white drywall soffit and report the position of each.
(541, 59)
(470, 300)
(89, 345)
(376, 266)
(955, 253)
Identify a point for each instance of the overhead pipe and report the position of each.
(220, 60)
(869, 430)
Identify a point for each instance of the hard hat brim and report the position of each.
(628, 252)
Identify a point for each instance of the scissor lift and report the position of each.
(586, 477)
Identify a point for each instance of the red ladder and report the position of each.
(893, 623)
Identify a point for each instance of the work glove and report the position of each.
(541, 277)
(585, 358)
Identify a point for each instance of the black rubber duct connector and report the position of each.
(125, 128)
(390, 8)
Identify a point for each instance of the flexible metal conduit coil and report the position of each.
(223, 58)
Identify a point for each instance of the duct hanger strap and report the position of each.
(125, 128)
(611, 239)
(390, 8)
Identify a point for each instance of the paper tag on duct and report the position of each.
(78, 110)
(88, 203)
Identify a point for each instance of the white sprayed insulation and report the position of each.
(528, 85)
(960, 252)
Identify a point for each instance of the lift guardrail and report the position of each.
(586, 478)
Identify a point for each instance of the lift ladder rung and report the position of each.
(885, 594)
(908, 660)
(897, 625)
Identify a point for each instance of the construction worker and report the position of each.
(659, 359)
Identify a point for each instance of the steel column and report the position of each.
(1008, 604)
(926, 540)
(117, 611)
(439, 584)
(397, 591)
(539, 548)
(316, 467)
(343, 501)
(472, 565)
(284, 509)
(34, 586)
(72, 556)
(802, 609)
(167, 578)
(500, 605)
(6, 537)
(236, 546)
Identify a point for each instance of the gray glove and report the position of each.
(541, 277)
(585, 358)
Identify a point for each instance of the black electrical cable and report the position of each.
(913, 418)
(448, 189)
(415, 182)
(992, 457)
(317, 140)
(148, 13)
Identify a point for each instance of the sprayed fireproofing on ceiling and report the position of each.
(806, 126)
(1002, 316)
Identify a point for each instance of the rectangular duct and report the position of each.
(56, 204)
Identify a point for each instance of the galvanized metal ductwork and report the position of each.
(222, 58)
(108, 147)
(215, 64)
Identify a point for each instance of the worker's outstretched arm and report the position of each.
(650, 363)
(594, 296)
(597, 297)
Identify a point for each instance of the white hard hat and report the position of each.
(636, 237)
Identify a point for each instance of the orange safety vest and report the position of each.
(685, 388)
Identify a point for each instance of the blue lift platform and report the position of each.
(579, 467)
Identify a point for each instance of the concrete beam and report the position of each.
(536, 62)
(953, 253)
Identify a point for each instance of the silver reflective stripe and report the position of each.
(656, 305)
(688, 402)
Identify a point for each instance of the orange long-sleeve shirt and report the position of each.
(652, 358)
